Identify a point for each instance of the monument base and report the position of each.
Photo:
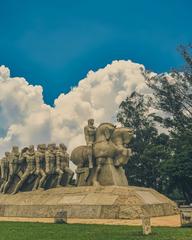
(105, 202)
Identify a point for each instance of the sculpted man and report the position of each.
(4, 170)
(40, 166)
(62, 161)
(29, 157)
(14, 167)
(90, 136)
(50, 161)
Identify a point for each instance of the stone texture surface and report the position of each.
(110, 175)
(168, 221)
(186, 216)
(112, 202)
(146, 224)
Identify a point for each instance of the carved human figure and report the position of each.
(29, 157)
(62, 161)
(4, 170)
(40, 166)
(50, 161)
(90, 136)
(14, 167)
(109, 149)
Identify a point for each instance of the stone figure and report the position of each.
(62, 162)
(50, 161)
(90, 136)
(110, 153)
(32, 169)
(14, 167)
(40, 166)
(29, 157)
(4, 170)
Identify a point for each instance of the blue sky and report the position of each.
(55, 43)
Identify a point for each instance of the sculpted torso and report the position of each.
(40, 156)
(50, 161)
(90, 133)
(30, 160)
(64, 160)
(14, 163)
(4, 163)
(4, 167)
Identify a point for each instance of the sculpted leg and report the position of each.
(8, 183)
(2, 186)
(46, 178)
(36, 185)
(42, 180)
(60, 173)
(97, 171)
(70, 174)
(5, 178)
(90, 155)
(21, 182)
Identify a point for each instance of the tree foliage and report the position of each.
(162, 161)
(148, 147)
(173, 94)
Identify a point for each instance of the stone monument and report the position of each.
(109, 152)
(31, 169)
(101, 190)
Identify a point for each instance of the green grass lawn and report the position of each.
(46, 231)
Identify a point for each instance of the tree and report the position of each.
(149, 148)
(173, 94)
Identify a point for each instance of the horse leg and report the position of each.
(99, 164)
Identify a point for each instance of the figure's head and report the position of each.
(41, 147)
(51, 146)
(15, 149)
(62, 146)
(7, 154)
(91, 122)
(31, 148)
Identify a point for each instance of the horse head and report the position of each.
(104, 132)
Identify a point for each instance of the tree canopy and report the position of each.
(162, 160)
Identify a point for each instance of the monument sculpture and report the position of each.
(109, 153)
(50, 162)
(101, 189)
(62, 161)
(4, 170)
(90, 135)
(40, 166)
(29, 157)
(14, 167)
(32, 169)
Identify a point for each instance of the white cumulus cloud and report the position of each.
(25, 118)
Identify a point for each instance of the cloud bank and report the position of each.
(25, 118)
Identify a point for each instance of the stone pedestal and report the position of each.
(111, 202)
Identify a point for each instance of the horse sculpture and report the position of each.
(109, 149)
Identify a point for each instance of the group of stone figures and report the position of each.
(31, 169)
(99, 162)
